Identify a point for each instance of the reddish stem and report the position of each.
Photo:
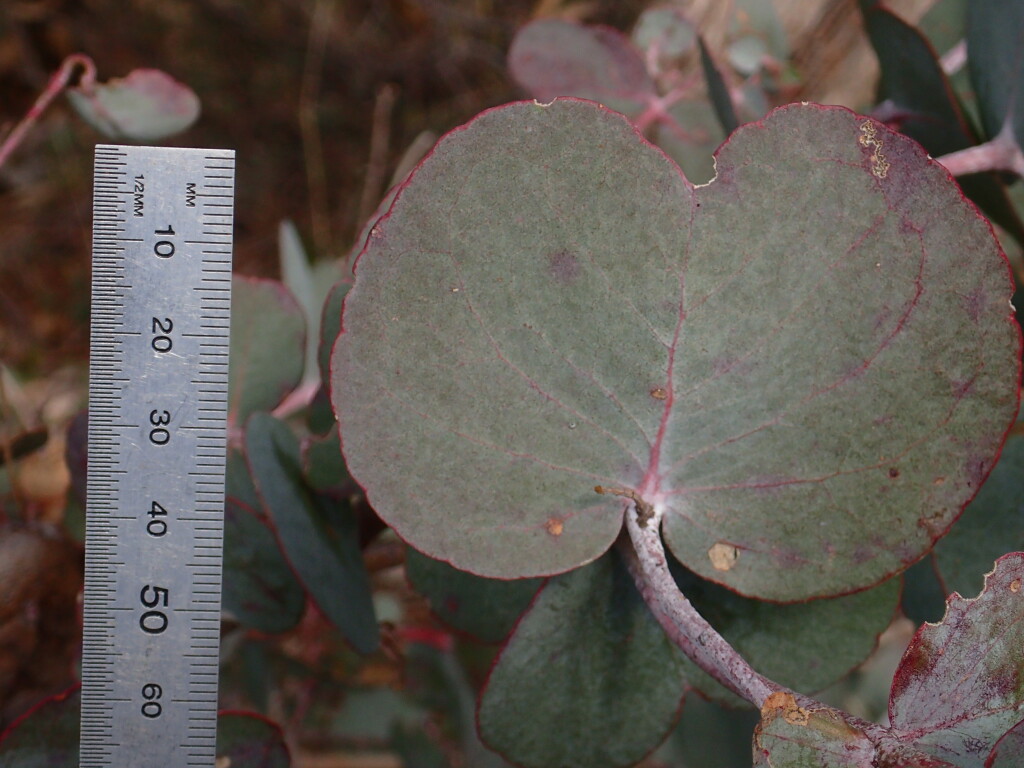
(1001, 153)
(54, 88)
(685, 627)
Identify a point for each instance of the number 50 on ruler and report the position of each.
(158, 387)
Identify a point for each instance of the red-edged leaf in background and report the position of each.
(487, 609)
(46, 736)
(551, 58)
(260, 589)
(248, 740)
(587, 680)
(145, 105)
(960, 685)
(317, 533)
(268, 340)
(807, 366)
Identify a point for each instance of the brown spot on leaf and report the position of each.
(723, 556)
(1015, 586)
(554, 526)
(659, 393)
(894, 472)
(563, 266)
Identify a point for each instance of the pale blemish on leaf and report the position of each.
(554, 526)
(723, 556)
(1015, 586)
(869, 138)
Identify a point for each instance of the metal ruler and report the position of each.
(158, 391)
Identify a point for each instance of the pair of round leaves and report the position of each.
(807, 366)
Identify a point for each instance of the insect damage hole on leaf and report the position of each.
(869, 138)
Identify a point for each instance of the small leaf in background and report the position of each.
(995, 50)
(146, 105)
(665, 32)
(808, 365)
(268, 336)
(46, 736)
(323, 464)
(330, 326)
(238, 482)
(246, 740)
(309, 284)
(551, 58)
(718, 91)
(991, 526)
(588, 679)
(690, 136)
(260, 590)
(803, 646)
(753, 19)
(318, 535)
(487, 609)
(959, 686)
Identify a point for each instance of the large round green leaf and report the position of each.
(807, 365)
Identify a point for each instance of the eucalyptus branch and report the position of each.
(689, 630)
(1001, 153)
(54, 88)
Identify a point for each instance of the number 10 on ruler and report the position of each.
(158, 387)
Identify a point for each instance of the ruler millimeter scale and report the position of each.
(158, 391)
